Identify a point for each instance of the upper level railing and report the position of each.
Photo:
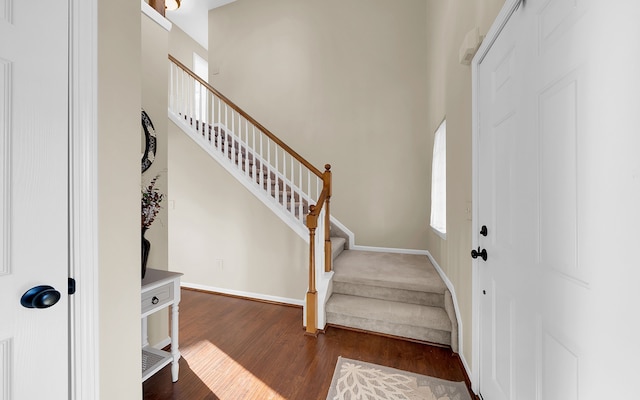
(288, 183)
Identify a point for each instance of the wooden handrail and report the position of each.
(231, 104)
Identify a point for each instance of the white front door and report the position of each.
(502, 199)
(34, 248)
(547, 135)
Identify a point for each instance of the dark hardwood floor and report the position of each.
(240, 349)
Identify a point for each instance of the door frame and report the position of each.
(83, 200)
(510, 6)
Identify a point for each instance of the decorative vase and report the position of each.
(146, 245)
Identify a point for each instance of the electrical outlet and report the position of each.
(219, 264)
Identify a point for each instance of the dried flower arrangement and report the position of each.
(151, 199)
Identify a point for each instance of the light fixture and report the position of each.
(171, 5)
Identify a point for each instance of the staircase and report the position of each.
(394, 294)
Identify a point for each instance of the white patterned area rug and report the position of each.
(358, 380)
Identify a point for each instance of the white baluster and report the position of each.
(253, 152)
(219, 124)
(269, 166)
(284, 179)
(197, 102)
(293, 179)
(309, 184)
(261, 163)
(181, 94)
(211, 107)
(276, 175)
(233, 138)
(300, 184)
(245, 159)
(190, 103)
(226, 120)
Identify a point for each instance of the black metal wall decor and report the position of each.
(149, 153)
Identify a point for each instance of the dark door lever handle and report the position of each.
(40, 297)
(479, 253)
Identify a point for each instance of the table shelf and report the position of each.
(153, 360)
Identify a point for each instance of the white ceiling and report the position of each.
(193, 18)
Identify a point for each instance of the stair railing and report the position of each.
(264, 162)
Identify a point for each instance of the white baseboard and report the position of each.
(163, 343)
(250, 295)
(447, 282)
(351, 237)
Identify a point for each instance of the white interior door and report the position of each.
(33, 198)
(501, 191)
(545, 289)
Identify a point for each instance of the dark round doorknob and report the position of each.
(40, 297)
(479, 253)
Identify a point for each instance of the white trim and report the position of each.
(389, 250)
(155, 15)
(351, 237)
(443, 235)
(501, 20)
(162, 344)
(250, 295)
(456, 308)
(83, 197)
(5, 165)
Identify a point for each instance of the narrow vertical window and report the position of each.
(439, 182)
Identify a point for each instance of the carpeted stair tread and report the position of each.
(390, 270)
(413, 321)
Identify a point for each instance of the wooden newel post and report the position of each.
(328, 252)
(312, 294)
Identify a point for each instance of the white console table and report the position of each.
(160, 289)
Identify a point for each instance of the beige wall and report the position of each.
(214, 217)
(155, 75)
(342, 83)
(119, 198)
(450, 95)
(182, 47)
